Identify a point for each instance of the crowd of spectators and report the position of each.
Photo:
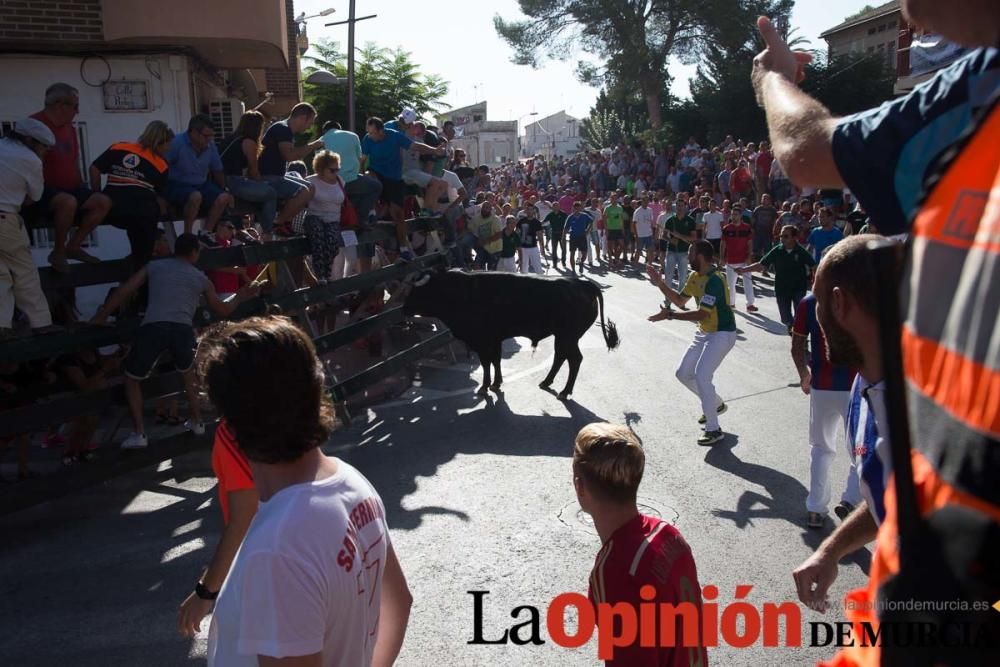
(608, 209)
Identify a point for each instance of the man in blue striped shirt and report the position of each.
(847, 312)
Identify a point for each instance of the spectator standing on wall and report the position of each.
(175, 289)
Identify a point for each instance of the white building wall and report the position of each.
(558, 134)
(24, 79)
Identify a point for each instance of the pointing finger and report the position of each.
(769, 33)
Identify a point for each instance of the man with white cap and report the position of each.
(20, 180)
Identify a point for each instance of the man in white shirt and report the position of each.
(21, 179)
(643, 220)
(711, 222)
(316, 581)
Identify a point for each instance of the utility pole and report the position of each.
(351, 20)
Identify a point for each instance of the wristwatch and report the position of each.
(204, 593)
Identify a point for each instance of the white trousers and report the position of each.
(507, 264)
(19, 281)
(747, 279)
(345, 264)
(827, 412)
(697, 370)
(531, 260)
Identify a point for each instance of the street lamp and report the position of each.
(302, 18)
(325, 78)
(351, 20)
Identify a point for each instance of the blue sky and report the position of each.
(459, 43)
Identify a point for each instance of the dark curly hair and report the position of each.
(264, 377)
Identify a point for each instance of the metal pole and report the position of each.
(350, 67)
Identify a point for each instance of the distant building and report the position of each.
(883, 31)
(558, 134)
(872, 30)
(484, 141)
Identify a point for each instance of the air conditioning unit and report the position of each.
(225, 115)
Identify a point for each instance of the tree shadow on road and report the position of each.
(403, 442)
(100, 574)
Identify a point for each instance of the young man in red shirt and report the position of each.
(737, 236)
(66, 197)
(638, 550)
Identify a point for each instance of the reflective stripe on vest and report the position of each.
(951, 341)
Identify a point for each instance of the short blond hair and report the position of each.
(325, 159)
(609, 460)
(156, 133)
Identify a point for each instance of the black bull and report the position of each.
(484, 309)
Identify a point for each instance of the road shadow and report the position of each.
(80, 601)
(785, 498)
(418, 437)
(759, 321)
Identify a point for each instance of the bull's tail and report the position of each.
(610, 330)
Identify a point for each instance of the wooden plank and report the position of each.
(352, 332)
(107, 464)
(118, 270)
(384, 369)
(309, 296)
(62, 408)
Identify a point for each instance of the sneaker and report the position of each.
(197, 428)
(406, 254)
(721, 410)
(843, 510)
(752, 309)
(711, 437)
(816, 520)
(135, 441)
(81, 255)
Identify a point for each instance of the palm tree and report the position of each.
(385, 81)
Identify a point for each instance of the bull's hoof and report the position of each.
(496, 386)
(483, 391)
(545, 384)
(563, 395)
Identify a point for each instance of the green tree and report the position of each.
(610, 122)
(385, 81)
(633, 38)
(852, 82)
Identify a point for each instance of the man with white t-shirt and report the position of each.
(642, 219)
(316, 580)
(712, 221)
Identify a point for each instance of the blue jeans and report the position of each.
(287, 186)
(678, 260)
(256, 192)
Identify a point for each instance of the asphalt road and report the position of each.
(479, 497)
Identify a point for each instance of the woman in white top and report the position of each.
(322, 222)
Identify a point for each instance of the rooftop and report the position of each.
(864, 16)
